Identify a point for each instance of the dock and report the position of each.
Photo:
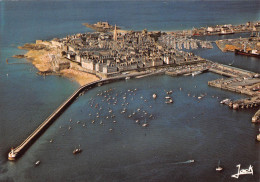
(230, 71)
(239, 81)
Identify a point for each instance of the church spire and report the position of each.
(115, 34)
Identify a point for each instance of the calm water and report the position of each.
(204, 131)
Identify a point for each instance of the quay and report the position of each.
(240, 81)
(231, 71)
(16, 152)
(245, 103)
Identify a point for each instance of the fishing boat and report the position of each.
(231, 63)
(145, 125)
(77, 150)
(258, 137)
(154, 96)
(225, 101)
(219, 168)
(170, 101)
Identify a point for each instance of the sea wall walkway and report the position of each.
(15, 152)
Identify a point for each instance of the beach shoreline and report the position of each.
(39, 55)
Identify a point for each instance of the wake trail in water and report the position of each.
(185, 162)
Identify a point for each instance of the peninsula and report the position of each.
(98, 58)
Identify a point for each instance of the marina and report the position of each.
(252, 102)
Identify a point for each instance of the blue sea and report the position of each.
(189, 129)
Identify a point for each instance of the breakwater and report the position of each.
(16, 152)
(240, 81)
(230, 71)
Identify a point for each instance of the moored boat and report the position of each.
(154, 96)
(196, 73)
(170, 101)
(37, 163)
(247, 53)
(225, 101)
(77, 150)
(219, 168)
(258, 137)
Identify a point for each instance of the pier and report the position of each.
(240, 81)
(230, 71)
(16, 152)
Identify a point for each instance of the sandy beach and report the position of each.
(38, 54)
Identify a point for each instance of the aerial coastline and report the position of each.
(89, 57)
(170, 122)
(112, 53)
(39, 55)
(93, 59)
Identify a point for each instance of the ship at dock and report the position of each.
(252, 53)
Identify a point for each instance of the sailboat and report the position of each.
(77, 150)
(231, 63)
(219, 168)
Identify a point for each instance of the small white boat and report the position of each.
(154, 96)
(127, 78)
(258, 137)
(219, 168)
(225, 101)
(170, 101)
(145, 125)
(191, 161)
(77, 150)
(37, 163)
(196, 73)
